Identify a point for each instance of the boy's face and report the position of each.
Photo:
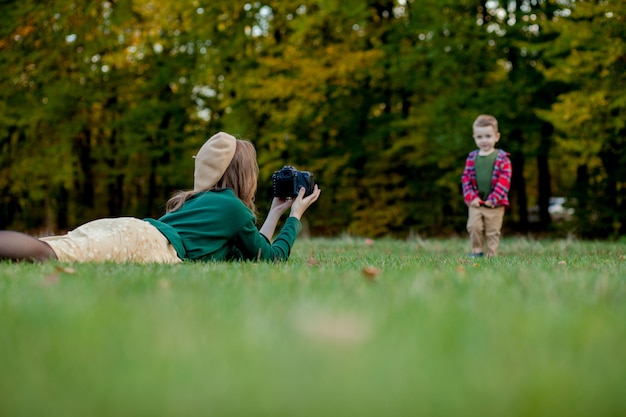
(486, 138)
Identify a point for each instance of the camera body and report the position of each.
(287, 182)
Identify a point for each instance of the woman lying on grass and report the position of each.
(214, 221)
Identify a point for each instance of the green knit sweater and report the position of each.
(216, 225)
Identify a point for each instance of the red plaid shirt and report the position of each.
(500, 180)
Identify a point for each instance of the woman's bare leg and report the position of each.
(22, 247)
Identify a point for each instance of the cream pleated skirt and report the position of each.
(123, 239)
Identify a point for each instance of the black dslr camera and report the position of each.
(288, 181)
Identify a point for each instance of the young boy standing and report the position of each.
(486, 181)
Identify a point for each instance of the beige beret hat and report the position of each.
(212, 160)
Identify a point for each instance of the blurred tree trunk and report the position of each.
(85, 179)
(62, 209)
(544, 178)
(518, 182)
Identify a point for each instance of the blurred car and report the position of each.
(557, 207)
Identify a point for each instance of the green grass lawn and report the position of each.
(347, 327)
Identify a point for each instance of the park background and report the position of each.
(104, 103)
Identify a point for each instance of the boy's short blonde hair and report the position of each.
(486, 120)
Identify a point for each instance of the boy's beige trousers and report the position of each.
(487, 222)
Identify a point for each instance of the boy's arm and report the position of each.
(470, 193)
(503, 182)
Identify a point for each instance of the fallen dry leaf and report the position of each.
(55, 277)
(313, 262)
(370, 272)
(65, 270)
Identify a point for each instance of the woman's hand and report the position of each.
(280, 205)
(301, 203)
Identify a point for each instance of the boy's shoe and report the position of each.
(475, 255)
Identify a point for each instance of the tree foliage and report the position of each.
(103, 104)
(589, 55)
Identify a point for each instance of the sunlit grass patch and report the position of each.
(346, 327)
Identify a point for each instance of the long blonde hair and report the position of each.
(241, 175)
